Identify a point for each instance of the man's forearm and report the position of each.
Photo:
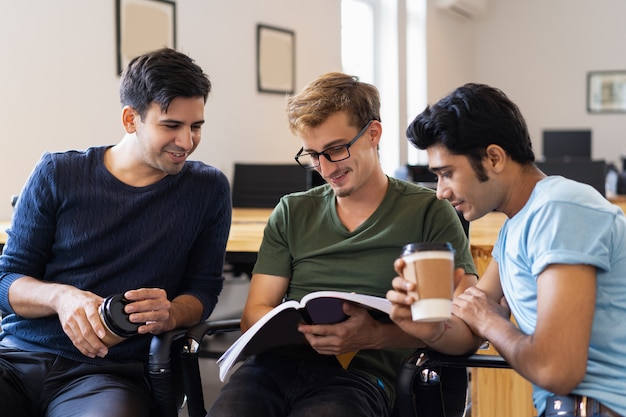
(454, 338)
(186, 310)
(31, 298)
(393, 337)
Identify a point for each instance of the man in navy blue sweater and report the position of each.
(136, 219)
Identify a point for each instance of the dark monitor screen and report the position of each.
(587, 172)
(262, 185)
(421, 173)
(566, 144)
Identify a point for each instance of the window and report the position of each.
(357, 38)
(416, 67)
(383, 43)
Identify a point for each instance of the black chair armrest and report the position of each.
(195, 333)
(433, 384)
(161, 349)
(165, 400)
(174, 371)
(189, 360)
(475, 360)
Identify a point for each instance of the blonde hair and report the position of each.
(330, 93)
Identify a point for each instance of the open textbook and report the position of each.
(279, 327)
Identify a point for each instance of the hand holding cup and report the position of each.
(431, 267)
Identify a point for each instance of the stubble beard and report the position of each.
(344, 192)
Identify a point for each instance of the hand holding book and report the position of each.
(279, 327)
(352, 335)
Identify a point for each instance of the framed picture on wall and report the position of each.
(275, 60)
(606, 92)
(143, 26)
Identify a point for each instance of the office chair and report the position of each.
(262, 185)
(585, 171)
(257, 185)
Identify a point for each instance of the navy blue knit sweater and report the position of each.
(76, 224)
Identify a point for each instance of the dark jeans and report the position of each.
(39, 384)
(272, 385)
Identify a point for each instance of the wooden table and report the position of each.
(482, 235)
(246, 230)
(620, 201)
(4, 225)
(244, 240)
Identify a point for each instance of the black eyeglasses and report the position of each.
(309, 160)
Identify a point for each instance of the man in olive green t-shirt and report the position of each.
(342, 236)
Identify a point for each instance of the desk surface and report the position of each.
(4, 225)
(246, 231)
(484, 231)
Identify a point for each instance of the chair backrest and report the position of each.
(585, 171)
(421, 174)
(262, 185)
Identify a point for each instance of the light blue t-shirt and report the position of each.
(567, 222)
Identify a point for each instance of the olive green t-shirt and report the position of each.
(306, 242)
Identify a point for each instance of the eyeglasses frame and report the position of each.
(323, 153)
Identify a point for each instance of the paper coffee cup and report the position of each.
(431, 267)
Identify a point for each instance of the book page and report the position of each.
(279, 327)
(370, 301)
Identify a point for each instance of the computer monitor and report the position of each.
(587, 172)
(566, 144)
(422, 175)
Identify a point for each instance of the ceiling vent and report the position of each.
(468, 9)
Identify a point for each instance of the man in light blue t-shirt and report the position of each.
(559, 262)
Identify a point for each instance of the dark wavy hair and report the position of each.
(159, 77)
(470, 119)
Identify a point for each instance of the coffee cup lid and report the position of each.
(426, 246)
(116, 318)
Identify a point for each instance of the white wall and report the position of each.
(59, 87)
(58, 82)
(538, 52)
(450, 41)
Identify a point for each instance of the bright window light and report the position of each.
(357, 39)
